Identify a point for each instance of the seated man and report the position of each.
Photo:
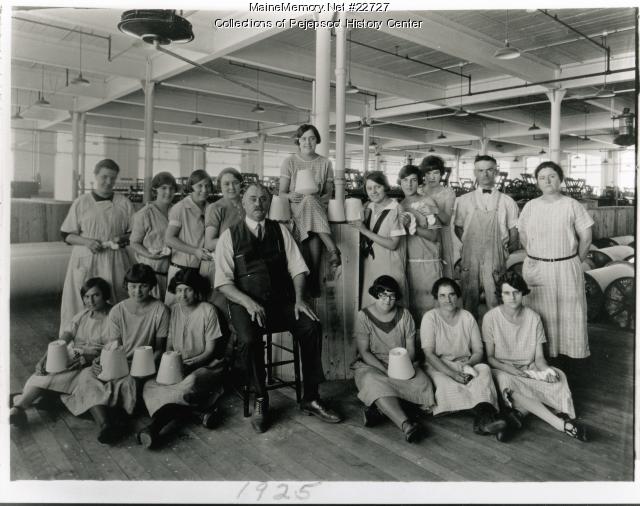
(260, 270)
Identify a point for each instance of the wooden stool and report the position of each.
(274, 382)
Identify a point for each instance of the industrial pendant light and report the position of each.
(196, 120)
(79, 79)
(507, 52)
(350, 89)
(42, 102)
(442, 135)
(17, 115)
(533, 126)
(542, 152)
(460, 112)
(258, 109)
(605, 92)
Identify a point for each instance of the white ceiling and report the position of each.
(408, 100)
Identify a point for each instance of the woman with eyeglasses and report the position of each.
(380, 327)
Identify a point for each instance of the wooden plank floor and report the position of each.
(58, 446)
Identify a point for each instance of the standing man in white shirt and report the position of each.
(485, 222)
(261, 272)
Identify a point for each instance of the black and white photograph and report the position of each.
(319, 252)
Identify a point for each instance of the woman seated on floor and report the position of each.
(381, 327)
(85, 336)
(452, 345)
(513, 336)
(194, 332)
(140, 320)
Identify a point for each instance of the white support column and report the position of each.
(82, 152)
(341, 104)
(365, 148)
(149, 92)
(555, 97)
(200, 158)
(484, 144)
(323, 83)
(260, 162)
(75, 152)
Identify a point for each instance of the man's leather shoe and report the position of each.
(316, 408)
(260, 417)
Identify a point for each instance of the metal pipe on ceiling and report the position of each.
(74, 30)
(408, 58)
(227, 78)
(504, 88)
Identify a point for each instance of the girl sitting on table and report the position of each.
(513, 336)
(85, 335)
(380, 327)
(194, 332)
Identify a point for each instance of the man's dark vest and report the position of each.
(260, 267)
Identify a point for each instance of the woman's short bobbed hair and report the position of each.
(230, 170)
(385, 284)
(549, 165)
(410, 170)
(431, 162)
(305, 128)
(514, 280)
(192, 279)
(163, 178)
(107, 163)
(445, 282)
(140, 273)
(195, 177)
(378, 177)
(103, 286)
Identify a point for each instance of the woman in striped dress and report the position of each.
(513, 337)
(453, 351)
(424, 266)
(149, 226)
(85, 335)
(555, 230)
(309, 211)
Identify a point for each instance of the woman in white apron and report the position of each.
(97, 226)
